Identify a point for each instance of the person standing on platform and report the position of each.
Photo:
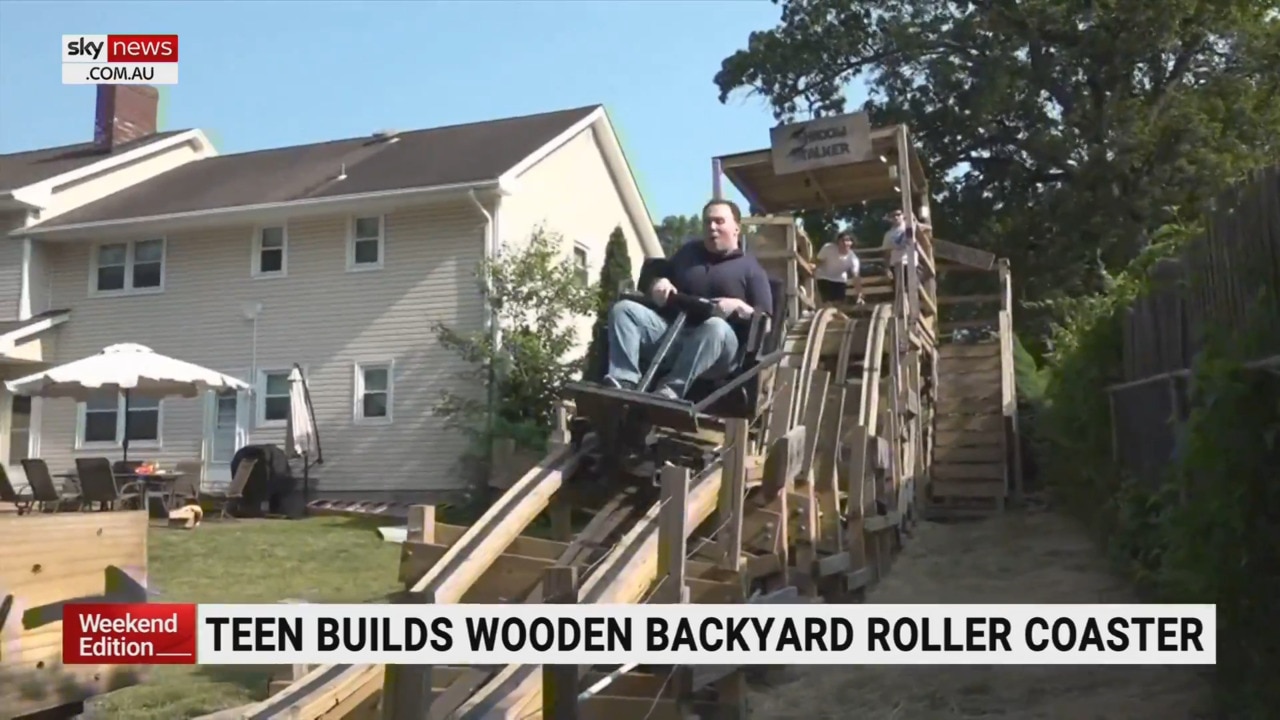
(837, 265)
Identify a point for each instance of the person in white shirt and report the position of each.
(901, 239)
(837, 264)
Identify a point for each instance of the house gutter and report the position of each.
(494, 328)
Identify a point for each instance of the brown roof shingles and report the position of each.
(32, 166)
(419, 159)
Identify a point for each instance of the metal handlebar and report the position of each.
(678, 300)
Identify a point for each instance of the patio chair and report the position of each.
(98, 484)
(235, 491)
(21, 498)
(44, 489)
(186, 489)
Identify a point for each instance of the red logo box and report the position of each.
(128, 634)
(142, 48)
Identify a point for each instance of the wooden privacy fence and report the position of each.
(1215, 284)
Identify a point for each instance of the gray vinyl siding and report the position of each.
(320, 316)
(39, 276)
(10, 265)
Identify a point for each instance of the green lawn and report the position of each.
(317, 559)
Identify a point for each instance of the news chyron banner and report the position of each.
(119, 59)
(747, 634)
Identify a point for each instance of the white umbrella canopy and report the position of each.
(129, 368)
(302, 437)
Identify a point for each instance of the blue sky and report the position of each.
(265, 74)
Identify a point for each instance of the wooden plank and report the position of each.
(966, 471)
(464, 563)
(982, 454)
(965, 386)
(967, 488)
(673, 535)
(560, 682)
(623, 576)
(969, 299)
(970, 324)
(408, 690)
(508, 578)
(988, 422)
(48, 559)
(968, 405)
(969, 350)
(963, 254)
(961, 365)
(962, 438)
(574, 553)
(732, 494)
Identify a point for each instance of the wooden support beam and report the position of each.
(623, 576)
(447, 581)
(560, 682)
(408, 690)
(673, 536)
(560, 513)
(504, 521)
(732, 494)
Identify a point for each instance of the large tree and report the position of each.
(615, 275)
(1057, 133)
(676, 230)
(535, 295)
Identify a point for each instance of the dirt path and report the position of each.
(1034, 558)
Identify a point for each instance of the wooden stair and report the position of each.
(970, 472)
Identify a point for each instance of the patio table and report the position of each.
(164, 484)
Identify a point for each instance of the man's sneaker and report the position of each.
(666, 393)
(618, 384)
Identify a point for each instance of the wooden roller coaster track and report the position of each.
(807, 500)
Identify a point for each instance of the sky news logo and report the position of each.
(120, 59)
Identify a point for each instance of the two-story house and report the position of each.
(339, 256)
(39, 185)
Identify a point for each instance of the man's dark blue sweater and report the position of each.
(694, 270)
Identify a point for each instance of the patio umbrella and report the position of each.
(129, 369)
(302, 438)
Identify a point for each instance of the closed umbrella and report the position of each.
(302, 438)
(127, 368)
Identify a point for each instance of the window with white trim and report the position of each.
(100, 421)
(374, 392)
(136, 266)
(273, 398)
(367, 243)
(580, 265)
(270, 251)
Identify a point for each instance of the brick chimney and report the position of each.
(124, 113)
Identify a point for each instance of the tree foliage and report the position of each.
(676, 230)
(535, 296)
(1205, 530)
(614, 273)
(1055, 133)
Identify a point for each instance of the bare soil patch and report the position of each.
(1036, 557)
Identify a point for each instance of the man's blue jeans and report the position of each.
(705, 351)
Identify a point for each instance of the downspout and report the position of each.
(490, 318)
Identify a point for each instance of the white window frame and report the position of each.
(129, 255)
(255, 261)
(358, 391)
(260, 397)
(579, 247)
(352, 266)
(81, 444)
